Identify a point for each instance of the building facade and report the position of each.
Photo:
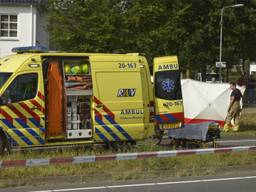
(22, 24)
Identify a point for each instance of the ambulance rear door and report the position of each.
(168, 95)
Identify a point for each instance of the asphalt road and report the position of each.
(235, 183)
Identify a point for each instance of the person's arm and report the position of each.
(232, 99)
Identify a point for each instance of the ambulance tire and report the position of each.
(2, 144)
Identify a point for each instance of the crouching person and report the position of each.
(234, 109)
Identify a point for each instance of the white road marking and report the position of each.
(149, 184)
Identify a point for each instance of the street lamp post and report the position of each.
(221, 35)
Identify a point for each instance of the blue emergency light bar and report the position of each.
(30, 49)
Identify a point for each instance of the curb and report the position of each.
(120, 157)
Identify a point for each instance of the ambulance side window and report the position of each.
(23, 87)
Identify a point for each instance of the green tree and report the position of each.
(187, 28)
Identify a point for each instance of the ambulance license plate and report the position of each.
(172, 125)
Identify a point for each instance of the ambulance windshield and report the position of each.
(3, 78)
(167, 85)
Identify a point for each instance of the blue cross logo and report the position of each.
(167, 85)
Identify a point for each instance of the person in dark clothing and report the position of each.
(250, 89)
(234, 108)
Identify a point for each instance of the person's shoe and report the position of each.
(226, 128)
(236, 128)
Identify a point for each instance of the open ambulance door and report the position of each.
(168, 95)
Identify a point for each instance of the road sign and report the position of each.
(221, 64)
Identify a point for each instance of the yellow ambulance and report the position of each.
(54, 98)
(51, 98)
(168, 94)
